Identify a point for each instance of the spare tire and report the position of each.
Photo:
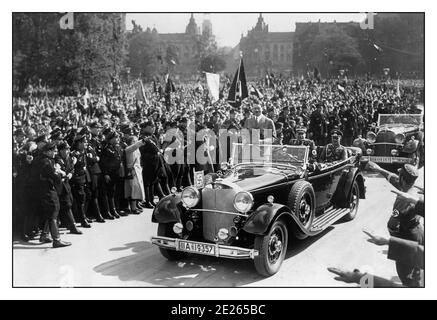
(302, 202)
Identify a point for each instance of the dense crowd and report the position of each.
(96, 157)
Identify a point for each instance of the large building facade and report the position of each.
(266, 51)
(182, 51)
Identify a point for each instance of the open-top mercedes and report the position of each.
(398, 139)
(266, 196)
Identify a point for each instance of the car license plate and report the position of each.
(381, 159)
(195, 247)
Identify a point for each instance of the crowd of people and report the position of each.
(96, 157)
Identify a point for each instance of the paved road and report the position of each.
(119, 254)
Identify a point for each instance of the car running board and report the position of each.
(330, 216)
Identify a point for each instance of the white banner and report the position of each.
(213, 81)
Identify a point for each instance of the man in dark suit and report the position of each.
(262, 124)
(317, 126)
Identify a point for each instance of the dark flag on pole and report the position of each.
(317, 75)
(238, 91)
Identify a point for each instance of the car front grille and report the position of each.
(220, 200)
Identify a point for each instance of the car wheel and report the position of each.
(272, 249)
(301, 201)
(166, 230)
(354, 202)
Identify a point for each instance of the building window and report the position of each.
(282, 48)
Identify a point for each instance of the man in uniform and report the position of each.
(110, 164)
(349, 124)
(405, 222)
(66, 165)
(49, 178)
(334, 151)
(80, 179)
(94, 149)
(302, 141)
(317, 126)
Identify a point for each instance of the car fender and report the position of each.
(168, 209)
(263, 217)
(344, 187)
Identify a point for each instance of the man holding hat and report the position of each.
(334, 151)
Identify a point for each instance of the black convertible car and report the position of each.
(398, 139)
(251, 209)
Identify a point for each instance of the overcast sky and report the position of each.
(228, 27)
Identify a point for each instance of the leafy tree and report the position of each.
(333, 46)
(213, 63)
(86, 56)
(144, 56)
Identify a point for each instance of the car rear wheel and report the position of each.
(354, 202)
(301, 200)
(272, 249)
(166, 230)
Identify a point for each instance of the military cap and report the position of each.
(301, 129)
(63, 145)
(49, 146)
(336, 132)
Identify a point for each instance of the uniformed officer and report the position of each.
(151, 163)
(50, 176)
(302, 141)
(66, 165)
(111, 166)
(349, 124)
(334, 151)
(405, 222)
(94, 149)
(317, 126)
(81, 179)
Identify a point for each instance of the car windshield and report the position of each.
(283, 155)
(399, 119)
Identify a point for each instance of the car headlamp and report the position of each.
(243, 201)
(369, 152)
(190, 196)
(394, 152)
(400, 138)
(178, 228)
(371, 137)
